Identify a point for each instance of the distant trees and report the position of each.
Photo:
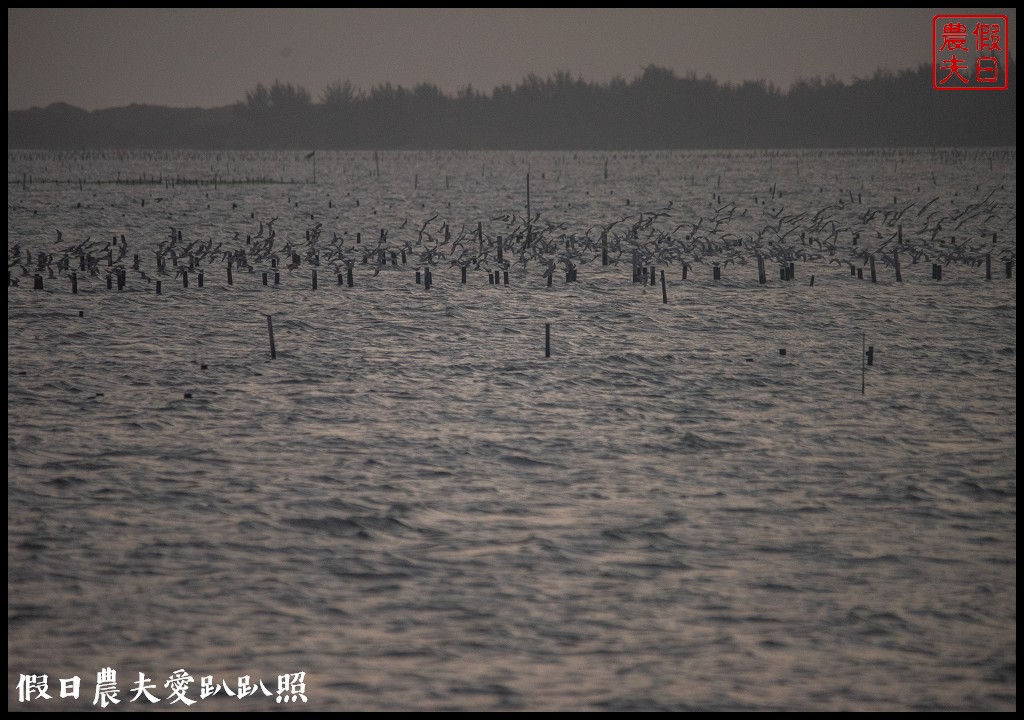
(340, 94)
(279, 96)
(657, 109)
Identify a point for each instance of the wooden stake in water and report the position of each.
(547, 340)
(863, 357)
(270, 331)
(664, 290)
(529, 215)
(896, 264)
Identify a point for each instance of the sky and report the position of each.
(97, 58)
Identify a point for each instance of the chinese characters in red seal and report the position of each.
(970, 52)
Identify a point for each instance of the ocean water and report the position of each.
(415, 508)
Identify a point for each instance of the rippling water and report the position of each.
(417, 509)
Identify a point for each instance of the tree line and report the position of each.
(656, 110)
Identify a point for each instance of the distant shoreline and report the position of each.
(656, 111)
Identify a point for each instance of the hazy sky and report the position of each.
(110, 57)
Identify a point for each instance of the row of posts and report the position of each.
(643, 275)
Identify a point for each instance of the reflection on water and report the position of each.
(415, 508)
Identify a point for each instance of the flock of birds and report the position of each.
(725, 235)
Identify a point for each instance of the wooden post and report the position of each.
(200, 278)
(264, 278)
(988, 266)
(873, 278)
(277, 278)
(896, 264)
(604, 248)
(529, 215)
(463, 274)
(314, 279)
(37, 283)
(547, 340)
(230, 280)
(74, 283)
(184, 278)
(270, 331)
(664, 290)
(863, 356)
(350, 277)
(717, 272)
(158, 287)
